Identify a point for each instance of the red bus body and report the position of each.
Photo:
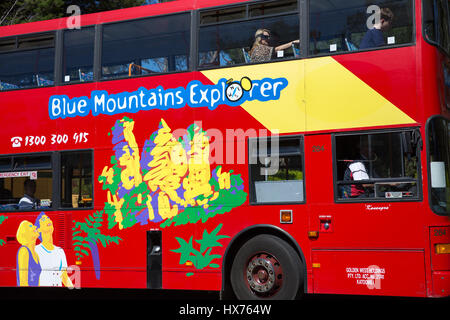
(393, 240)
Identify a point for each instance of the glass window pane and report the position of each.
(430, 20)
(351, 25)
(222, 15)
(32, 162)
(232, 43)
(155, 45)
(76, 183)
(274, 7)
(442, 28)
(29, 186)
(31, 42)
(23, 69)
(78, 58)
(5, 164)
(8, 44)
(439, 164)
(383, 165)
(276, 175)
(436, 20)
(32, 66)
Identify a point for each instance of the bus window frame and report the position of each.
(386, 47)
(424, 35)
(252, 193)
(54, 34)
(55, 158)
(60, 207)
(340, 200)
(98, 74)
(427, 134)
(60, 56)
(299, 12)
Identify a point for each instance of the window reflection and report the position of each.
(78, 59)
(260, 37)
(351, 25)
(378, 166)
(29, 62)
(146, 46)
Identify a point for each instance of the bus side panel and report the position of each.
(370, 272)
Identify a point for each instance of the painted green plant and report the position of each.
(169, 182)
(200, 257)
(2, 219)
(86, 235)
(87, 232)
(228, 199)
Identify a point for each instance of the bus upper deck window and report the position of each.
(78, 57)
(355, 25)
(146, 46)
(268, 31)
(27, 63)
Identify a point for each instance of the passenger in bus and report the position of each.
(262, 51)
(28, 201)
(374, 37)
(357, 171)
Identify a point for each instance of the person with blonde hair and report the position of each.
(261, 50)
(28, 267)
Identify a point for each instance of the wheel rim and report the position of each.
(264, 275)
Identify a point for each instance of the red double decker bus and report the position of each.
(264, 149)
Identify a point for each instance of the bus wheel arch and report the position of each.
(248, 234)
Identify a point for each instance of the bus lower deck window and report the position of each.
(26, 183)
(377, 166)
(276, 170)
(76, 179)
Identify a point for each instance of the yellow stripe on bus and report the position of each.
(321, 95)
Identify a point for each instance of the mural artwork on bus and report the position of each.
(170, 183)
(44, 264)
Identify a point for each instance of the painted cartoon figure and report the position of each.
(52, 258)
(28, 269)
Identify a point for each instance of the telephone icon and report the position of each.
(16, 142)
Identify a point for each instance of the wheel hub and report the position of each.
(264, 274)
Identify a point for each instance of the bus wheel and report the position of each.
(266, 267)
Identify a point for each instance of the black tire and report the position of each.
(266, 267)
